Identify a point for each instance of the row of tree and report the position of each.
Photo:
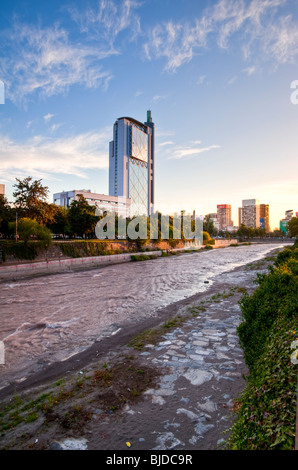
(31, 205)
(32, 214)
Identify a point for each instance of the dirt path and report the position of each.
(172, 387)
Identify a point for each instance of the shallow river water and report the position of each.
(50, 318)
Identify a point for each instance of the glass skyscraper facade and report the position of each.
(131, 163)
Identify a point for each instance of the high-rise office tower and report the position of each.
(264, 217)
(249, 213)
(224, 216)
(131, 163)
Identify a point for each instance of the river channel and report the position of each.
(52, 317)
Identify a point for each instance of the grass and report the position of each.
(142, 257)
(154, 335)
(69, 405)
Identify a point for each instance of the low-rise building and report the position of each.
(117, 204)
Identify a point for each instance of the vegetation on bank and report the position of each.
(266, 411)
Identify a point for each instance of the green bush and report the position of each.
(21, 250)
(142, 257)
(267, 408)
(286, 254)
(83, 248)
(276, 295)
(206, 236)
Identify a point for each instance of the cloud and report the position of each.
(48, 117)
(190, 151)
(39, 155)
(168, 142)
(232, 80)
(45, 61)
(159, 97)
(108, 19)
(250, 70)
(201, 79)
(259, 29)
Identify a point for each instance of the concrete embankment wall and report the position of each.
(19, 270)
(63, 265)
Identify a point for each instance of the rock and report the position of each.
(197, 376)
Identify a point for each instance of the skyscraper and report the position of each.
(249, 213)
(131, 163)
(264, 217)
(224, 216)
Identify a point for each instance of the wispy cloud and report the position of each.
(108, 19)
(250, 70)
(40, 155)
(168, 142)
(261, 27)
(159, 98)
(188, 151)
(48, 117)
(201, 79)
(45, 61)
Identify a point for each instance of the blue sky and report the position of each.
(216, 75)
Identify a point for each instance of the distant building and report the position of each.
(289, 214)
(264, 217)
(119, 205)
(2, 189)
(131, 163)
(212, 216)
(224, 216)
(249, 213)
(283, 224)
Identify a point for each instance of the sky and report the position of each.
(220, 78)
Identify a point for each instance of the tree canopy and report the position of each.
(292, 227)
(31, 199)
(81, 217)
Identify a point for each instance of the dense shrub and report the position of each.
(286, 254)
(267, 408)
(83, 248)
(276, 295)
(21, 250)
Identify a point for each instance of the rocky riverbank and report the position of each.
(168, 383)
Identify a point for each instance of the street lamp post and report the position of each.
(16, 226)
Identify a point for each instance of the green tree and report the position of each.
(30, 199)
(82, 218)
(6, 215)
(292, 227)
(30, 229)
(59, 223)
(208, 226)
